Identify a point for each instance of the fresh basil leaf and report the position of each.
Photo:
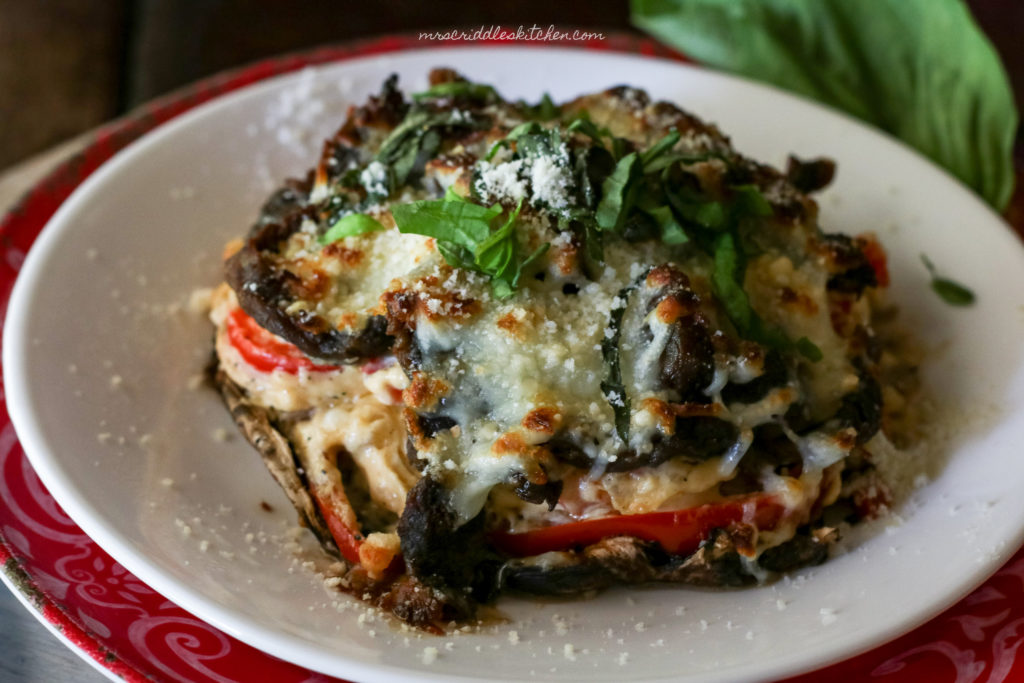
(414, 156)
(462, 223)
(495, 255)
(501, 289)
(532, 145)
(698, 209)
(494, 149)
(671, 232)
(593, 164)
(616, 191)
(748, 200)
(658, 149)
(593, 241)
(415, 141)
(581, 221)
(743, 201)
(530, 262)
(545, 110)
(455, 255)
(809, 349)
(613, 388)
(619, 147)
(351, 178)
(584, 125)
(349, 226)
(475, 91)
(950, 291)
(665, 160)
(450, 195)
(528, 128)
(727, 284)
(919, 69)
(465, 238)
(498, 255)
(406, 132)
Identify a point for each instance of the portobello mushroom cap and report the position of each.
(265, 289)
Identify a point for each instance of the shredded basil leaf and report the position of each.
(476, 91)
(618, 147)
(583, 124)
(617, 193)
(950, 291)
(919, 69)
(452, 220)
(809, 349)
(528, 128)
(545, 110)
(747, 200)
(698, 210)
(538, 142)
(349, 226)
(727, 283)
(658, 149)
(532, 141)
(613, 388)
(415, 141)
(465, 237)
(671, 232)
(667, 159)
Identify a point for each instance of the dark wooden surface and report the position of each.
(60, 64)
(181, 41)
(68, 65)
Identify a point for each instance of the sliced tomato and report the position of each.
(265, 352)
(376, 364)
(877, 259)
(348, 541)
(679, 532)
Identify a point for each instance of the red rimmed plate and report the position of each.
(136, 633)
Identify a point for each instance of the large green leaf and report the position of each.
(919, 69)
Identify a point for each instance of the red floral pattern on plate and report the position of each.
(138, 635)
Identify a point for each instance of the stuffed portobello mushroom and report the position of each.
(487, 347)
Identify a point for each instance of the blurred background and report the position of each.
(68, 65)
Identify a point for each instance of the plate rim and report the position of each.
(299, 649)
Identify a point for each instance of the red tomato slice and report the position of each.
(376, 364)
(347, 541)
(876, 257)
(264, 351)
(679, 532)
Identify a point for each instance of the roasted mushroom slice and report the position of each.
(254, 422)
(621, 560)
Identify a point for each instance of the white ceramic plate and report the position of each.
(99, 349)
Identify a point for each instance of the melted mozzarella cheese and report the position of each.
(338, 409)
(540, 351)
